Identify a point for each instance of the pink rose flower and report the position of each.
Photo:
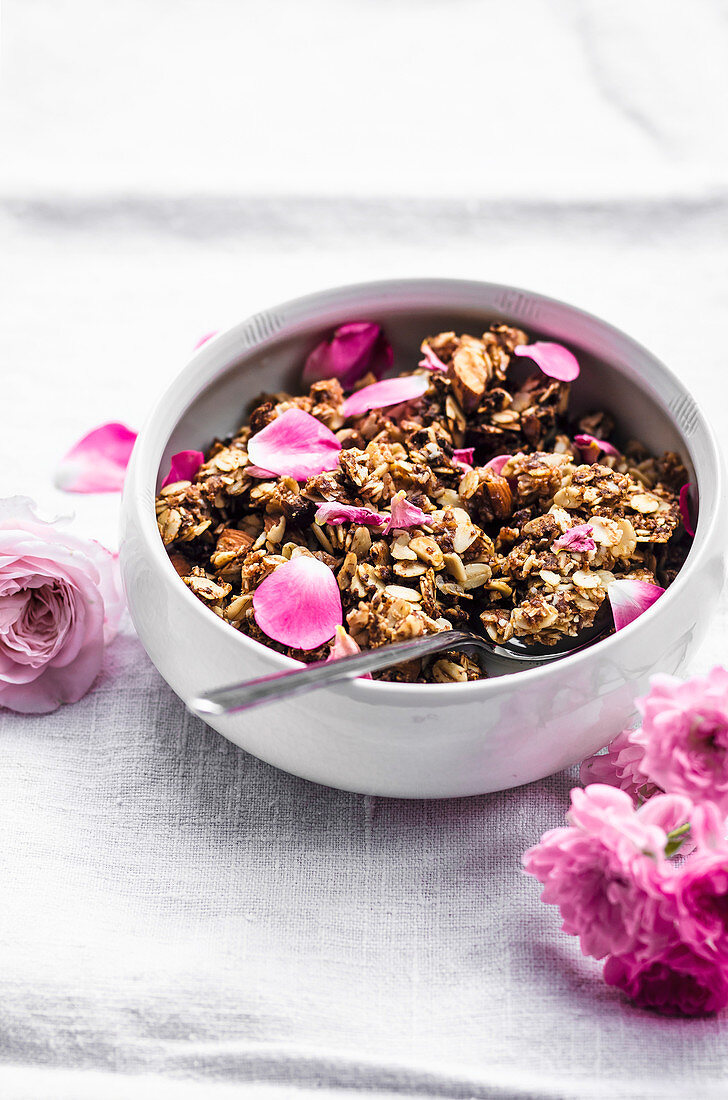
(59, 605)
(701, 897)
(603, 871)
(621, 766)
(685, 736)
(679, 982)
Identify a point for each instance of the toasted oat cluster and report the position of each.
(494, 554)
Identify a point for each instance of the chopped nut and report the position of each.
(470, 371)
(399, 593)
(427, 550)
(409, 568)
(454, 565)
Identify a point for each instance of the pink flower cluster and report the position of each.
(661, 925)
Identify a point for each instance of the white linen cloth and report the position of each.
(178, 918)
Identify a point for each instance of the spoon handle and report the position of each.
(283, 685)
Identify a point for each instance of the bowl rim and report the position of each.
(202, 370)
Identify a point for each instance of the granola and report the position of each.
(497, 548)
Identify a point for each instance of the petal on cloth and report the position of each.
(98, 462)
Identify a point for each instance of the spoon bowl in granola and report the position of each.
(389, 460)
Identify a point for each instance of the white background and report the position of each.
(176, 909)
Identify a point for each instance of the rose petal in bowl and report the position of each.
(299, 604)
(463, 456)
(688, 507)
(577, 540)
(590, 448)
(430, 361)
(392, 391)
(331, 511)
(497, 462)
(258, 471)
(98, 462)
(295, 444)
(630, 598)
(404, 514)
(553, 359)
(183, 466)
(344, 645)
(352, 351)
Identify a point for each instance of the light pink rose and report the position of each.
(700, 890)
(605, 871)
(59, 605)
(621, 766)
(685, 736)
(678, 982)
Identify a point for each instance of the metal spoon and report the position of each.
(284, 685)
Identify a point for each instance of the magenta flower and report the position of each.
(630, 598)
(679, 982)
(602, 869)
(701, 897)
(183, 466)
(609, 813)
(295, 444)
(554, 360)
(299, 604)
(685, 734)
(352, 351)
(60, 605)
(591, 448)
(392, 391)
(596, 894)
(577, 540)
(621, 766)
(331, 511)
(98, 462)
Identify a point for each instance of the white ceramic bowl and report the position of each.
(434, 740)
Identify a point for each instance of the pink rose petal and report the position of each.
(404, 514)
(296, 445)
(577, 539)
(687, 496)
(183, 466)
(205, 338)
(299, 604)
(498, 462)
(630, 598)
(344, 645)
(430, 361)
(352, 351)
(330, 511)
(258, 471)
(590, 448)
(98, 462)
(554, 359)
(464, 456)
(392, 391)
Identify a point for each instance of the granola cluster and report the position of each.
(485, 559)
